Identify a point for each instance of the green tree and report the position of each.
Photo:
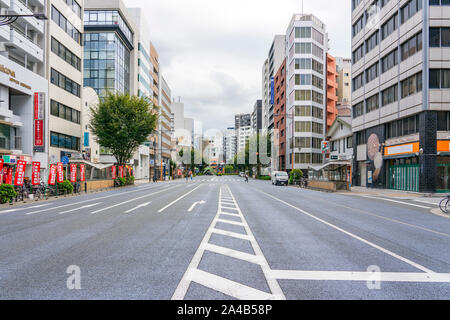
(295, 176)
(121, 123)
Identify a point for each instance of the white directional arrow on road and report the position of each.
(85, 207)
(138, 207)
(196, 203)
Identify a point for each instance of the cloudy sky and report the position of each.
(212, 52)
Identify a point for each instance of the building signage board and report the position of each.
(20, 173)
(52, 176)
(60, 172)
(114, 172)
(36, 173)
(73, 173)
(82, 172)
(39, 118)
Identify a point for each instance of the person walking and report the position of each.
(246, 177)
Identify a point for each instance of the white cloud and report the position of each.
(212, 51)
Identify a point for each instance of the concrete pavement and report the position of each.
(221, 238)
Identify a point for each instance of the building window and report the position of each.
(372, 42)
(61, 111)
(410, 9)
(372, 103)
(59, 140)
(412, 85)
(358, 54)
(372, 73)
(65, 83)
(439, 78)
(65, 54)
(440, 37)
(358, 110)
(389, 27)
(349, 142)
(389, 61)
(62, 22)
(412, 46)
(358, 81)
(361, 138)
(76, 8)
(390, 95)
(402, 127)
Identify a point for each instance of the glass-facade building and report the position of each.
(108, 42)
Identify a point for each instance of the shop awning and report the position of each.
(329, 164)
(99, 166)
(401, 156)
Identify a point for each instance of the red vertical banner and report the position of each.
(52, 176)
(36, 173)
(114, 172)
(9, 176)
(73, 173)
(129, 171)
(120, 171)
(60, 172)
(2, 164)
(82, 172)
(20, 173)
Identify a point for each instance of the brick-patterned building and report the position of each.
(280, 117)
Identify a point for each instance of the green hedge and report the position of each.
(7, 193)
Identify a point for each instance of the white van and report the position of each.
(280, 178)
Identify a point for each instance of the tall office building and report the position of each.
(242, 120)
(274, 60)
(344, 81)
(306, 90)
(64, 67)
(401, 89)
(165, 124)
(23, 87)
(257, 117)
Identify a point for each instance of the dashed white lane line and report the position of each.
(89, 200)
(131, 200)
(176, 200)
(373, 245)
(221, 284)
(138, 207)
(84, 207)
(361, 276)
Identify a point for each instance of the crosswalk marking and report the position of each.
(221, 284)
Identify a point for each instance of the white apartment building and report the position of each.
(65, 72)
(24, 103)
(401, 94)
(243, 134)
(229, 145)
(307, 45)
(271, 65)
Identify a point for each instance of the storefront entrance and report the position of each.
(404, 177)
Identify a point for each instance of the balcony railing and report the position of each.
(26, 46)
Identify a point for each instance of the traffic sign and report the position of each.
(65, 160)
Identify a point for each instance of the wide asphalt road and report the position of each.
(221, 238)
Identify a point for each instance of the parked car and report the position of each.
(242, 174)
(280, 178)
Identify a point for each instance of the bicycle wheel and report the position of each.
(444, 205)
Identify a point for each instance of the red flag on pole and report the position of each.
(73, 173)
(36, 173)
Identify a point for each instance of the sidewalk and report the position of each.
(393, 193)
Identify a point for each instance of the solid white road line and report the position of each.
(175, 201)
(396, 201)
(22, 209)
(90, 200)
(138, 207)
(360, 276)
(85, 207)
(416, 265)
(131, 200)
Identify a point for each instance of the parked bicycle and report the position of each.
(444, 205)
